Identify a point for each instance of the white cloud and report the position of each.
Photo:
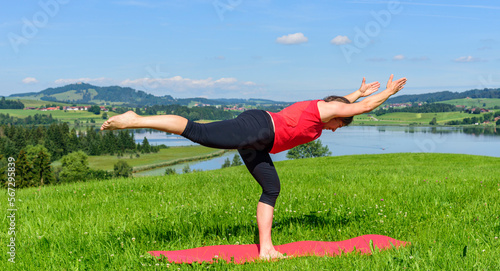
(101, 80)
(296, 38)
(30, 80)
(467, 59)
(178, 83)
(185, 87)
(398, 57)
(340, 40)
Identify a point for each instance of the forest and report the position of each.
(35, 148)
(446, 95)
(9, 104)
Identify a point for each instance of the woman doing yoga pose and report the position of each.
(256, 133)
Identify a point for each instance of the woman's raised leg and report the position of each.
(130, 120)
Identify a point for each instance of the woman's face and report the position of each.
(333, 124)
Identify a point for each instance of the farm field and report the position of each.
(37, 103)
(106, 162)
(479, 102)
(70, 116)
(446, 205)
(406, 118)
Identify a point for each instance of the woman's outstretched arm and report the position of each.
(363, 91)
(330, 110)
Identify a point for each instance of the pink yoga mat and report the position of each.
(248, 253)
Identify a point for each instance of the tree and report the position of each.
(170, 171)
(42, 171)
(227, 163)
(75, 167)
(498, 122)
(236, 161)
(3, 171)
(24, 172)
(95, 109)
(308, 150)
(145, 148)
(186, 169)
(105, 115)
(433, 121)
(122, 169)
(39, 157)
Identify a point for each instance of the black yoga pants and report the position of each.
(252, 134)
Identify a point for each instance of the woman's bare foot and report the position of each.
(270, 254)
(123, 121)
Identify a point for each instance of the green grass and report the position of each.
(405, 118)
(58, 114)
(440, 203)
(490, 103)
(106, 162)
(37, 103)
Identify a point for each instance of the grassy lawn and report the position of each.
(106, 162)
(37, 103)
(70, 116)
(406, 118)
(444, 204)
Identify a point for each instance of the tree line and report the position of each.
(477, 119)
(37, 119)
(9, 104)
(426, 108)
(35, 148)
(60, 140)
(446, 95)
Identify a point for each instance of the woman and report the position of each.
(256, 133)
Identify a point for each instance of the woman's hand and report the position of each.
(368, 89)
(395, 86)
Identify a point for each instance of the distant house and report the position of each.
(76, 108)
(50, 108)
(30, 108)
(234, 108)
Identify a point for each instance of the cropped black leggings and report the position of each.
(252, 134)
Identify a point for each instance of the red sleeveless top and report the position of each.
(295, 125)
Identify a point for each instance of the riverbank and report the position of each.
(179, 161)
(165, 157)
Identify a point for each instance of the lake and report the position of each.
(363, 140)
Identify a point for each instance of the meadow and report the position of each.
(164, 157)
(446, 205)
(68, 116)
(407, 118)
(476, 102)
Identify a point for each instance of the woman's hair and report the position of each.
(346, 120)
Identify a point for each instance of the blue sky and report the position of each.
(281, 50)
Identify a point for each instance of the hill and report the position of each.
(446, 95)
(84, 93)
